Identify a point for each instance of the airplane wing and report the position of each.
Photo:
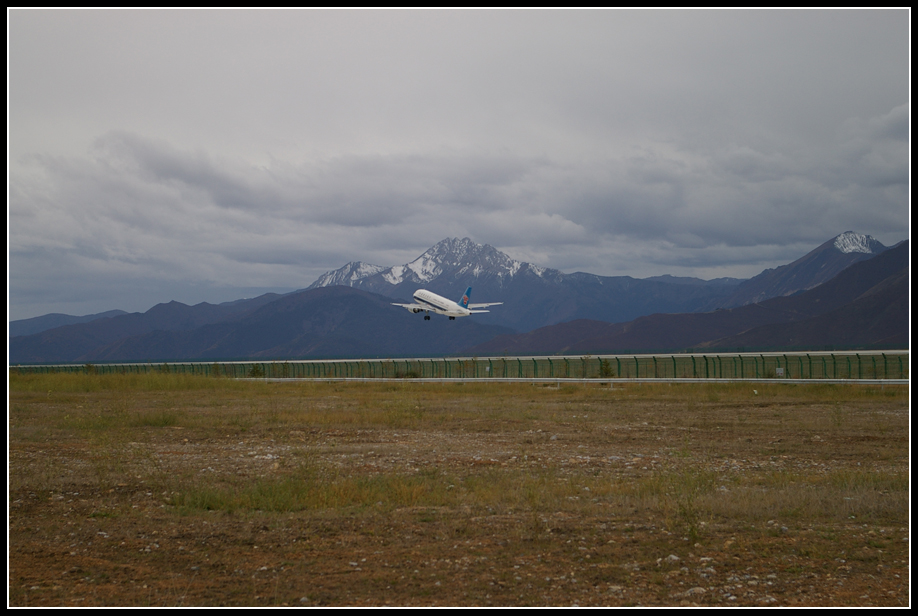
(412, 307)
(471, 306)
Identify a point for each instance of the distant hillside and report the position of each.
(330, 322)
(814, 268)
(70, 342)
(26, 327)
(866, 304)
(877, 319)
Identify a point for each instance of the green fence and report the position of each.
(797, 365)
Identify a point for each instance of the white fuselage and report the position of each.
(440, 305)
(427, 302)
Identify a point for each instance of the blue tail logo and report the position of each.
(464, 302)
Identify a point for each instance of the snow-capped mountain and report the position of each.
(539, 296)
(347, 275)
(849, 242)
(452, 257)
(461, 257)
(814, 268)
(542, 296)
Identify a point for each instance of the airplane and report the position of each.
(431, 302)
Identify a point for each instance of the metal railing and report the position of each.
(816, 365)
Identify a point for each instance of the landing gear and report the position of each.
(452, 318)
(426, 317)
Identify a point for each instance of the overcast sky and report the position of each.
(211, 155)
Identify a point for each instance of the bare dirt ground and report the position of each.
(443, 495)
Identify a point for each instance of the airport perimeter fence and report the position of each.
(796, 365)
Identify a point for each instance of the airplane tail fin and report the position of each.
(464, 302)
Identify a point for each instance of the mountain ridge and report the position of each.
(534, 298)
(35, 325)
(814, 268)
(878, 285)
(329, 322)
(545, 296)
(542, 295)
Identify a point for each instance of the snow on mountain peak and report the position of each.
(347, 275)
(425, 268)
(451, 254)
(849, 241)
(462, 253)
(395, 274)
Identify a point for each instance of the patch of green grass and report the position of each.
(309, 490)
(91, 381)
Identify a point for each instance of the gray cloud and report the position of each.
(187, 152)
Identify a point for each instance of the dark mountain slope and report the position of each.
(70, 342)
(327, 322)
(814, 268)
(35, 325)
(877, 319)
(869, 291)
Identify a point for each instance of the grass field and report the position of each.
(172, 490)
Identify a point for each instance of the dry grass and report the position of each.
(508, 494)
